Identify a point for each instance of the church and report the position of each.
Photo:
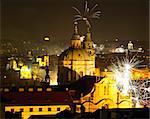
(78, 60)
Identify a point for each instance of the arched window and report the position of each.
(81, 73)
(108, 89)
(104, 90)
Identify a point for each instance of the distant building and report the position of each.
(105, 95)
(39, 101)
(43, 61)
(130, 45)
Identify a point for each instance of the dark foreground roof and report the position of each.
(36, 98)
(128, 113)
(64, 94)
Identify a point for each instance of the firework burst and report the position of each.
(87, 15)
(122, 71)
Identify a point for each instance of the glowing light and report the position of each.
(25, 72)
(82, 38)
(122, 71)
(119, 50)
(94, 45)
(46, 38)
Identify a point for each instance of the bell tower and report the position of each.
(88, 43)
(75, 41)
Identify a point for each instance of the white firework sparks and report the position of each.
(122, 71)
(122, 74)
(87, 15)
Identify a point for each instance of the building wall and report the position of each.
(76, 64)
(105, 95)
(86, 67)
(26, 113)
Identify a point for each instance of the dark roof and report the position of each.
(36, 98)
(42, 117)
(84, 85)
(63, 94)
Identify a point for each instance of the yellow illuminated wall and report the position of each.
(13, 64)
(79, 59)
(105, 94)
(43, 61)
(27, 111)
(25, 72)
(38, 73)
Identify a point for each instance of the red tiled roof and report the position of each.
(36, 98)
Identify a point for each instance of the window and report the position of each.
(81, 73)
(21, 109)
(104, 90)
(49, 109)
(31, 109)
(40, 109)
(58, 109)
(108, 90)
(12, 110)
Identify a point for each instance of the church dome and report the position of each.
(75, 55)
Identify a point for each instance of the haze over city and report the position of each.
(29, 21)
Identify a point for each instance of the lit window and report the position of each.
(6, 90)
(49, 109)
(31, 109)
(12, 110)
(81, 73)
(21, 109)
(40, 109)
(21, 89)
(39, 89)
(48, 89)
(30, 89)
(58, 109)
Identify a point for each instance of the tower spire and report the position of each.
(76, 34)
(88, 34)
(75, 41)
(75, 28)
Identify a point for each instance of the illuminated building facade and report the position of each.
(43, 61)
(78, 60)
(105, 95)
(25, 72)
(73, 64)
(26, 101)
(130, 45)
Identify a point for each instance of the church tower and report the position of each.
(75, 41)
(78, 60)
(88, 43)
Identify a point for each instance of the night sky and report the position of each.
(31, 20)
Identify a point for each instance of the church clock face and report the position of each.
(89, 46)
(90, 53)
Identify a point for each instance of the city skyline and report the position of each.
(75, 59)
(32, 20)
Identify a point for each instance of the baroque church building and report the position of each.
(78, 60)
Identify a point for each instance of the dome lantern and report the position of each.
(75, 41)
